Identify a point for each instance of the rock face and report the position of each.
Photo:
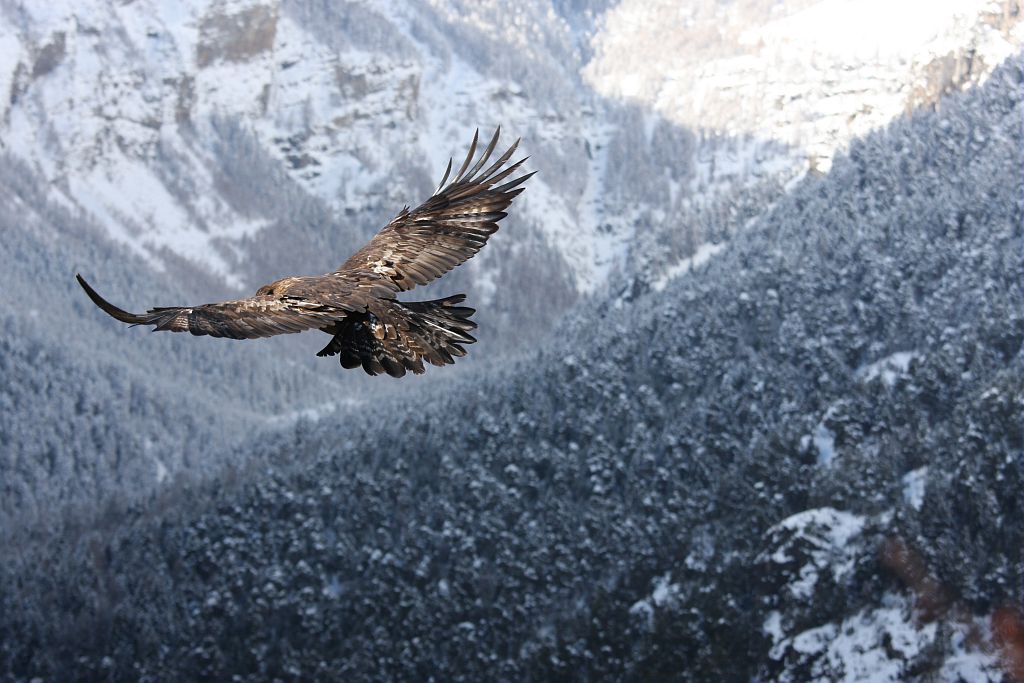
(236, 36)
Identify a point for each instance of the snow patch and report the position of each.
(314, 414)
(882, 645)
(821, 538)
(825, 442)
(913, 487)
(888, 369)
(665, 593)
(851, 30)
(875, 645)
(968, 661)
(823, 439)
(161, 471)
(772, 627)
(700, 257)
(135, 205)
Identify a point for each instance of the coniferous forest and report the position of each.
(801, 460)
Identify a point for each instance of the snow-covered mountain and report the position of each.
(795, 456)
(188, 151)
(811, 74)
(800, 462)
(127, 110)
(117, 106)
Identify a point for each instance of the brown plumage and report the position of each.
(356, 304)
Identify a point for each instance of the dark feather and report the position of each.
(413, 331)
(419, 246)
(258, 316)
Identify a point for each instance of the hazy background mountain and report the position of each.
(745, 399)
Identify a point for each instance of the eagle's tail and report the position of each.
(395, 336)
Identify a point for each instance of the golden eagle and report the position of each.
(356, 304)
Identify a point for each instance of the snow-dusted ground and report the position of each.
(828, 534)
(880, 645)
(884, 643)
(823, 439)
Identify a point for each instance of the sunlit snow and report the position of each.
(812, 77)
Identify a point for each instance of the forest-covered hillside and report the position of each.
(186, 151)
(92, 410)
(802, 461)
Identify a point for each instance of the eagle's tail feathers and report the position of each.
(396, 337)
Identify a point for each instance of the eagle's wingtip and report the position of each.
(84, 285)
(109, 308)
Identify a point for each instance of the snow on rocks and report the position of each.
(813, 543)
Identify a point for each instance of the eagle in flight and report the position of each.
(357, 303)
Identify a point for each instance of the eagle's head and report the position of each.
(276, 288)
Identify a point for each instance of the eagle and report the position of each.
(357, 304)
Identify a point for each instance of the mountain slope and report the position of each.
(126, 110)
(798, 462)
(179, 153)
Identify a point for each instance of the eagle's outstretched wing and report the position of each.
(257, 316)
(420, 245)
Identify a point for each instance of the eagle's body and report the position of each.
(357, 303)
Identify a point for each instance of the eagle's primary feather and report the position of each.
(356, 304)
